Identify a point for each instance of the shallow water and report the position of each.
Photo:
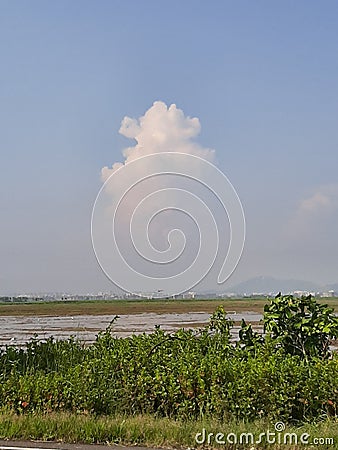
(17, 330)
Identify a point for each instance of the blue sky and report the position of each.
(262, 77)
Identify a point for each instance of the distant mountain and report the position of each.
(270, 285)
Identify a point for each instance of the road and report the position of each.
(39, 445)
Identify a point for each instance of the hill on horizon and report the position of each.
(268, 285)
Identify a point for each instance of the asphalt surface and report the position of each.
(40, 445)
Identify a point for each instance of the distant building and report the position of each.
(303, 293)
(330, 293)
(189, 295)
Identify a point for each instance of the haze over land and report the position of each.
(258, 80)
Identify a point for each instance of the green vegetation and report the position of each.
(302, 326)
(150, 431)
(288, 374)
(113, 307)
(159, 306)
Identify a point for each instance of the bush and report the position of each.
(301, 326)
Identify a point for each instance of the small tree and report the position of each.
(220, 323)
(301, 326)
(248, 338)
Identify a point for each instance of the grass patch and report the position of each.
(118, 307)
(153, 432)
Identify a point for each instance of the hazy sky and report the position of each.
(260, 76)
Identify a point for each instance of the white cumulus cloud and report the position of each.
(161, 129)
(323, 200)
(153, 203)
(314, 212)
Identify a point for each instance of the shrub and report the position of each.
(301, 326)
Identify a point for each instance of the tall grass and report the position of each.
(146, 430)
